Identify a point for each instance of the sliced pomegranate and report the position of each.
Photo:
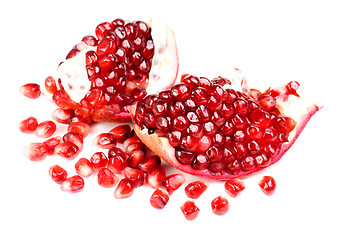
(73, 184)
(220, 206)
(28, 125)
(195, 189)
(105, 74)
(190, 210)
(207, 128)
(267, 185)
(159, 199)
(58, 174)
(234, 186)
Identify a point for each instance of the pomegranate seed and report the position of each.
(233, 187)
(190, 210)
(57, 173)
(137, 176)
(51, 144)
(84, 167)
(62, 115)
(73, 184)
(67, 150)
(102, 29)
(267, 185)
(80, 128)
(159, 199)
(121, 132)
(173, 182)
(149, 163)
(220, 206)
(124, 189)
(106, 178)
(28, 125)
(74, 138)
(45, 129)
(154, 177)
(105, 140)
(135, 158)
(195, 189)
(50, 85)
(99, 160)
(267, 102)
(30, 90)
(36, 151)
(117, 160)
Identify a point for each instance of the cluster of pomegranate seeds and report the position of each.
(214, 127)
(118, 70)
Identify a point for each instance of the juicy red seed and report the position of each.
(149, 163)
(36, 151)
(137, 176)
(135, 158)
(172, 182)
(51, 144)
(57, 173)
(50, 85)
(220, 206)
(190, 210)
(267, 102)
(102, 29)
(84, 167)
(28, 125)
(121, 132)
(90, 40)
(284, 124)
(195, 130)
(154, 177)
(180, 92)
(45, 129)
(262, 160)
(267, 185)
(62, 115)
(190, 80)
(184, 157)
(180, 123)
(241, 106)
(73, 184)
(80, 128)
(159, 199)
(124, 189)
(233, 187)
(105, 140)
(199, 95)
(67, 150)
(106, 45)
(201, 162)
(195, 189)
(106, 178)
(74, 138)
(30, 90)
(99, 160)
(174, 138)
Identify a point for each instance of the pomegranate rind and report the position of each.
(164, 150)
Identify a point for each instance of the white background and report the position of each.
(272, 42)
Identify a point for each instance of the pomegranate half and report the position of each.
(221, 129)
(103, 75)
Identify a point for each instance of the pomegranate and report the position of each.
(221, 129)
(103, 75)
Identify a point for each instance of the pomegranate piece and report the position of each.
(220, 206)
(84, 167)
(58, 174)
(195, 189)
(67, 150)
(105, 140)
(80, 128)
(173, 182)
(51, 144)
(124, 189)
(233, 187)
(121, 132)
(106, 178)
(154, 177)
(73, 184)
(159, 199)
(135, 175)
(36, 151)
(28, 125)
(208, 129)
(45, 129)
(267, 185)
(30, 90)
(190, 210)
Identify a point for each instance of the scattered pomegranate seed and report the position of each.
(220, 205)
(74, 138)
(159, 198)
(67, 150)
(135, 158)
(173, 182)
(105, 140)
(51, 144)
(36, 151)
(73, 184)
(30, 90)
(234, 186)
(28, 125)
(124, 189)
(149, 163)
(121, 132)
(154, 177)
(117, 160)
(58, 174)
(45, 129)
(84, 167)
(80, 128)
(99, 160)
(62, 115)
(190, 210)
(195, 189)
(106, 178)
(267, 185)
(137, 176)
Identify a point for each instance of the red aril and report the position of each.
(74, 138)
(159, 199)
(62, 115)
(135, 175)
(195, 189)
(99, 160)
(149, 163)
(36, 151)
(105, 140)
(117, 160)
(84, 167)
(106, 178)
(267, 185)
(45, 129)
(80, 128)
(233, 187)
(173, 182)
(135, 158)
(73, 184)
(28, 125)
(67, 150)
(124, 189)
(57, 173)
(51, 144)
(30, 90)
(220, 206)
(190, 210)
(154, 177)
(121, 132)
